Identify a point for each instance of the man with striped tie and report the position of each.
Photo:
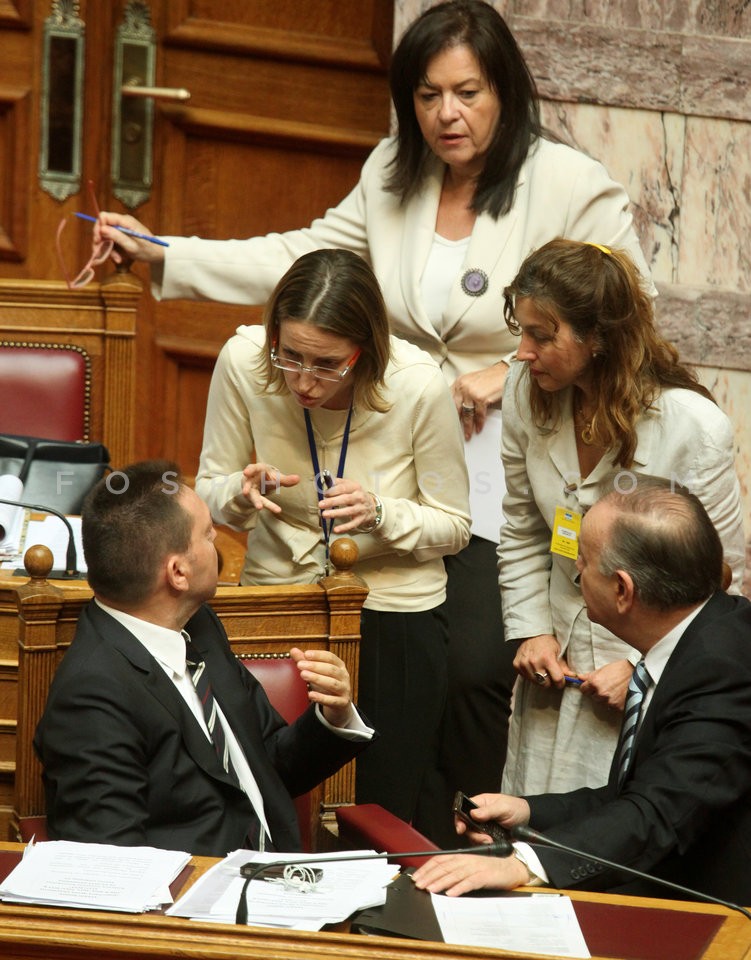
(153, 733)
(678, 801)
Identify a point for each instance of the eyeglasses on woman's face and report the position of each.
(320, 373)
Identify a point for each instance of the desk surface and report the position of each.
(46, 933)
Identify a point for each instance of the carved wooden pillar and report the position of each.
(39, 605)
(345, 594)
(121, 293)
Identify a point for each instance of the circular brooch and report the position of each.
(475, 282)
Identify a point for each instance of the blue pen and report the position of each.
(131, 233)
(575, 680)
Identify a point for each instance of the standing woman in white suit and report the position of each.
(596, 398)
(445, 212)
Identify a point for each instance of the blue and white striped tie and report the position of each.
(640, 681)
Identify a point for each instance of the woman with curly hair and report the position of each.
(596, 398)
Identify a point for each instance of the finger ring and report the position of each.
(468, 407)
(541, 677)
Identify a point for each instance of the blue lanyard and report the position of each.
(326, 525)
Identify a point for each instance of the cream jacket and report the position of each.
(561, 192)
(685, 437)
(411, 457)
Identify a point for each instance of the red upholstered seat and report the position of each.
(33, 828)
(288, 693)
(282, 682)
(44, 391)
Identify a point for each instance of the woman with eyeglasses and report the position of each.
(320, 424)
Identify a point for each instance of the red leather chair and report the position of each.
(288, 693)
(45, 390)
(368, 826)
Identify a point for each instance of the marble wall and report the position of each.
(660, 92)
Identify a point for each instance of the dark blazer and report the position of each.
(684, 811)
(125, 761)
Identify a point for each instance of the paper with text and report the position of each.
(545, 924)
(94, 876)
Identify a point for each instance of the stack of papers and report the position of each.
(11, 518)
(33, 528)
(345, 887)
(94, 876)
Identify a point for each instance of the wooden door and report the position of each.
(287, 99)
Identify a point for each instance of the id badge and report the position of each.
(565, 539)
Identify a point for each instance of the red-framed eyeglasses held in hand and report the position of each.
(99, 254)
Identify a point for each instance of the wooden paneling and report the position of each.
(237, 175)
(354, 34)
(287, 101)
(15, 105)
(15, 13)
(186, 371)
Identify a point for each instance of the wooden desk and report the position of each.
(44, 933)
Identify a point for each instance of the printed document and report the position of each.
(94, 876)
(346, 886)
(544, 924)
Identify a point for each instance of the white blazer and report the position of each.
(685, 437)
(560, 192)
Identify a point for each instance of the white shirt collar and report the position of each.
(655, 660)
(167, 646)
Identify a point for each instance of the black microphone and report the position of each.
(531, 836)
(71, 559)
(253, 870)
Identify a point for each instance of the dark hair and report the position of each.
(130, 522)
(336, 291)
(474, 24)
(600, 293)
(664, 539)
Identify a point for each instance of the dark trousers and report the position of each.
(402, 690)
(474, 731)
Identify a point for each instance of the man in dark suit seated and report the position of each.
(678, 800)
(153, 733)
